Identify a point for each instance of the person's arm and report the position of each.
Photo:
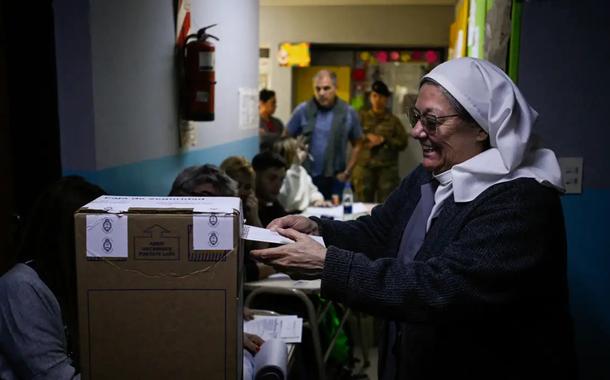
(347, 173)
(356, 139)
(396, 139)
(294, 127)
(306, 257)
(28, 314)
(500, 255)
(370, 233)
(373, 235)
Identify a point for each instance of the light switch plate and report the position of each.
(571, 171)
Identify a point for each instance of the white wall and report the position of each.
(413, 26)
(117, 89)
(116, 77)
(135, 92)
(236, 63)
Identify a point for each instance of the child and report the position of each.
(298, 191)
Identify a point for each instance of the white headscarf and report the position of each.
(498, 106)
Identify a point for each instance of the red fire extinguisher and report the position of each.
(199, 76)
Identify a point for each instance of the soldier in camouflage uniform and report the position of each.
(375, 175)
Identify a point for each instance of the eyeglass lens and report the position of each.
(429, 122)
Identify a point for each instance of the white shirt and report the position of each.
(298, 191)
(443, 191)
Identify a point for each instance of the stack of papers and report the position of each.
(268, 236)
(288, 328)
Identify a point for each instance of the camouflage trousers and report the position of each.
(374, 184)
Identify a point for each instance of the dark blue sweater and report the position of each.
(486, 295)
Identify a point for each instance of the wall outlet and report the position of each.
(571, 171)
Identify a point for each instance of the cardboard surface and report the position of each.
(154, 307)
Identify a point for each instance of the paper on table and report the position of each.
(337, 211)
(288, 328)
(329, 212)
(361, 208)
(268, 236)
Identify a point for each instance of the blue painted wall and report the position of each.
(563, 73)
(155, 177)
(589, 279)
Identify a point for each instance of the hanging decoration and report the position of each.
(382, 56)
(417, 55)
(358, 74)
(431, 57)
(365, 56)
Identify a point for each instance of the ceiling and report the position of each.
(283, 3)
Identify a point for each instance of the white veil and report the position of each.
(498, 106)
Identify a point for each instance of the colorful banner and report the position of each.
(458, 31)
(476, 28)
(294, 54)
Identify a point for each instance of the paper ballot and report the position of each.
(288, 328)
(268, 236)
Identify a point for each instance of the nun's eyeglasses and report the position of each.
(429, 122)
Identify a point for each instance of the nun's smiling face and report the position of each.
(451, 141)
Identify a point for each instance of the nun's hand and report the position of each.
(296, 222)
(303, 258)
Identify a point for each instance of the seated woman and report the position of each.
(203, 181)
(38, 321)
(298, 191)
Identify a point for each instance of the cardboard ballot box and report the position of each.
(159, 288)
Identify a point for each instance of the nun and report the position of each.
(466, 260)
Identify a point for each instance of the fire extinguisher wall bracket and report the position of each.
(199, 76)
